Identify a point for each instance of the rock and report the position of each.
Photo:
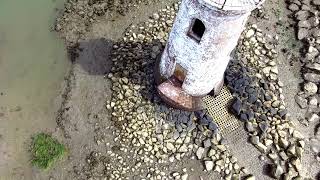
(302, 102)
(273, 156)
(249, 126)
(292, 150)
(283, 142)
(250, 33)
(207, 143)
(170, 146)
(293, 7)
(302, 33)
(250, 177)
(283, 155)
(220, 163)
(277, 171)
(282, 113)
(316, 2)
(200, 152)
(254, 140)
(261, 147)
(183, 149)
(302, 15)
(274, 69)
(209, 165)
(211, 153)
(243, 117)
(297, 164)
(266, 70)
(313, 118)
(184, 176)
(313, 101)
(316, 32)
(263, 126)
(297, 134)
(237, 106)
(314, 66)
(304, 24)
(310, 88)
(273, 77)
(156, 16)
(275, 104)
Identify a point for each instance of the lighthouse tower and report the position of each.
(197, 52)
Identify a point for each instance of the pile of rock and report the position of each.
(155, 133)
(253, 80)
(78, 16)
(306, 14)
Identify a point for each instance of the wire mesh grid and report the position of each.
(218, 108)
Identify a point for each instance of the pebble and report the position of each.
(184, 176)
(310, 88)
(250, 33)
(277, 171)
(314, 118)
(200, 152)
(315, 78)
(209, 165)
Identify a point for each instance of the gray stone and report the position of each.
(314, 66)
(315, 32)
(304, 24)
(293, 7)
(313, 118)
(312, 53)
(277, 171)
(313, 101)
(302, 102)
(302, 15)
(249, 126)
(207, 143)
(316, 2)
(310, 88)
(302, 33)
(264, 126)
(155, 16)
(254, 140)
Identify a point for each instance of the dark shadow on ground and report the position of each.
(93, 55)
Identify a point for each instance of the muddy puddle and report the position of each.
(33, 64)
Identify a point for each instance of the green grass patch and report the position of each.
(46, 150)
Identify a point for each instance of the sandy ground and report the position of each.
(85, 125)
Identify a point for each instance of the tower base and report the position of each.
(171, 92)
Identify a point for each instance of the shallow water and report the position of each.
(33, 64)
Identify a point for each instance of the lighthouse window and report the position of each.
(196, 30)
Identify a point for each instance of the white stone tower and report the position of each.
(197, 52)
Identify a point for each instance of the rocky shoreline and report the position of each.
(305, 16)
(149, 139)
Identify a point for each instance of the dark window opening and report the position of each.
(197, 30)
